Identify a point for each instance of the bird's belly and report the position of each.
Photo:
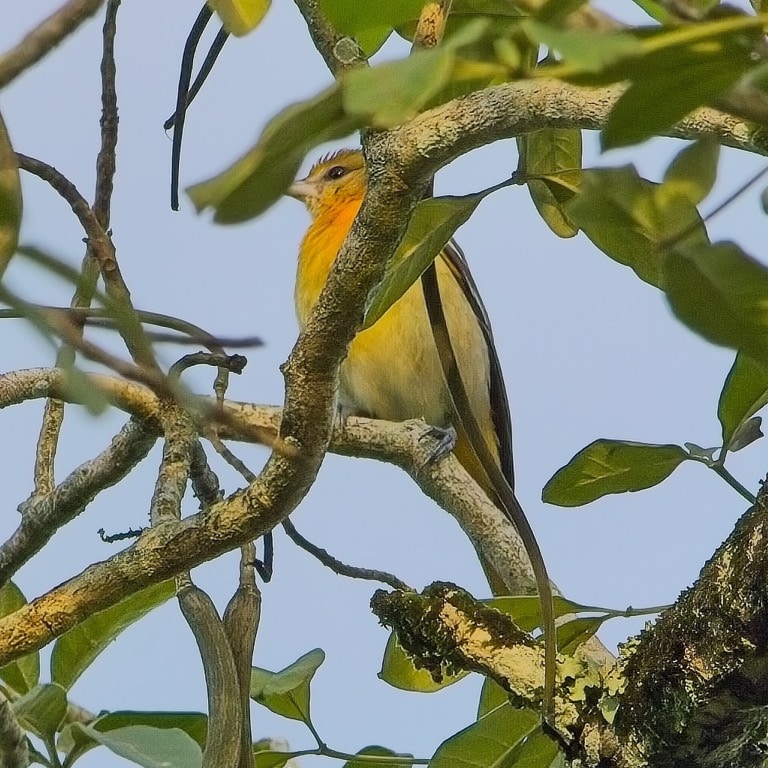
(393, 372)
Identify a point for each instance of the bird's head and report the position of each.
(335, 180)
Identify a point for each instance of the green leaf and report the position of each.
(378, 752)
(693, 171)
(76, 650)
(75, 742)
(577, 631)
(556, 10)
(744, 393)
(675, 80)
(10, 199)
(148, 747)
(432, 224)
(492, 695)
(287, 692)
(588, 50)
(388, 95)
(544, 156)
(721, 293)
(271, 759)
(399, 671)
(255, 181)
(525, 610)
(239, 17)
(23, 674)
(656, 11)
(42, 710)
(611, 466)
(503, 737)
(633, 220)
(351, 17)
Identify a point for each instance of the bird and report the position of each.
(393, 369)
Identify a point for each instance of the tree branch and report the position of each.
(45, 37)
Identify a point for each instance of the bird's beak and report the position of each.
(301, 189)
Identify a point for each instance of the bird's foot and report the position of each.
(443, 441)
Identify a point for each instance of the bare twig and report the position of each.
(45, 37)
(98, 317)
(106, 160)
(103, 250)
(329, 561)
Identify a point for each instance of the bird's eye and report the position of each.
(336, 172)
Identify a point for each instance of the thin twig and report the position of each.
(103, 249)
(45, 37)
(98, 317)
(329, 561)
(106, 159)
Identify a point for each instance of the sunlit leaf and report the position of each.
(388, 95)
(398, 669)
(379, 752)
(10, 199)
(149, 747)
(254, 182)
(22, 674)
(676, 80)
(287, 692)
(42, 710)
(432, 225)
(633, 220)
(351, 17)
(544, 155)
(76, 650)
(744, 393)
(240, 16)
(721, 293)
(611, 466)
(693, 171)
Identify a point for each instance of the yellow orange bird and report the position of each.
(392, 370)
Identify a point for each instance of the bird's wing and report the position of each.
(502, 421)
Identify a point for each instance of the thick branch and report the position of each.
(434, 138)
(697, 680)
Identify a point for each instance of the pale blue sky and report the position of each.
(588, 351)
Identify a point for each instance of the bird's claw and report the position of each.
(443, 442)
